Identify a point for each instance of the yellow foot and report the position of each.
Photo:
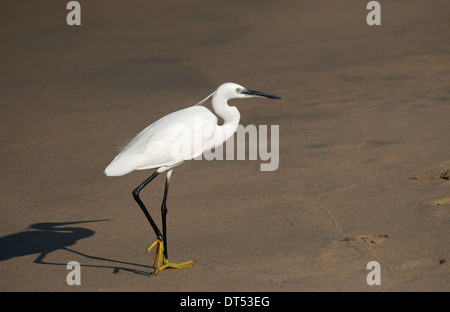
(159, 259)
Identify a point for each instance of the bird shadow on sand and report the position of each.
(47, 237)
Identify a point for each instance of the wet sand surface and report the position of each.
(364, 132)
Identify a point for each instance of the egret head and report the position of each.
(232, 90)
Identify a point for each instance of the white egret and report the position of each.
(179, 136)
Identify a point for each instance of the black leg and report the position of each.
(141, 204)
(163, 216)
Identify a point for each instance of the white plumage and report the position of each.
(164, 143)
(183, 135)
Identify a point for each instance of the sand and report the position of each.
(364, 109)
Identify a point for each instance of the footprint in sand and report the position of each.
(421, 264)
(367, 238)
(443, 201)
(442, 208)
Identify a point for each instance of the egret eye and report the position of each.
(238, 90)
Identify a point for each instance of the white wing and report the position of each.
(179, 136)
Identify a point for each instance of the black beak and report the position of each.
(259, 93)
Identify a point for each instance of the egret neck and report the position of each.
(230, 116)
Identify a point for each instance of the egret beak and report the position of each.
(261, 94)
